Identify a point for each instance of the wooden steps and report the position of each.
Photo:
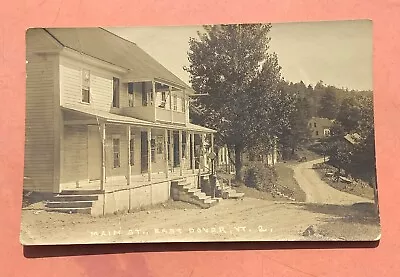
(184, 191)
(73, 201)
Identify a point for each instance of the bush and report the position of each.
(260, 177)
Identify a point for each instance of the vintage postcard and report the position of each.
(235, 132)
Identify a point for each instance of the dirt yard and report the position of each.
(231, 220)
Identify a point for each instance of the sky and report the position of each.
(337, 52)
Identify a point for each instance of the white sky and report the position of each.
(338, 52)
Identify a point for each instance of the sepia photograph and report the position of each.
(208, 133)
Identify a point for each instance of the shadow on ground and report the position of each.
(362, 213)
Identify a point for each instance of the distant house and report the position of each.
(105, 118)
(320, 127)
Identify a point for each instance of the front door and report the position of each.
(94, 153)
(144, 152)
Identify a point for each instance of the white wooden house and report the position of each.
(104, 117)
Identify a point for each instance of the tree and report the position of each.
(337, 130)
(340, 153)
(364, 152)
(297, 132)
(349, 114)
(328, 106)
(232, 65)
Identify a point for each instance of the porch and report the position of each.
(137, 181)
(120, 152)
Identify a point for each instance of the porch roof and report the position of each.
(108, 117)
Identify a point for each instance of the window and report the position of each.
(153, 150)
(151, 98)
(316, 133)
(179, 104)
(115, 92)
(131, 95)
(132, 151)
(183, 105)
(327, 132)
(85, 86)
(163, 100)
(160, 142)
(315, 124)
(175, 102)
(144, 94)
(116, 152)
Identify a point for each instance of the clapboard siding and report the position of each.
(40, 122)
(101, 92)
(101, 85)
(75, 154)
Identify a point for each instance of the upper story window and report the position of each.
(183, 105)
(144, 94)
(175, 102)
(315, 124)
(179, 104)
(115, 93)
(163, 100)
(85, 86)
(131, 95)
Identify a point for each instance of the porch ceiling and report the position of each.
(86, 112)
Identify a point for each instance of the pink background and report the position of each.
(16, 16)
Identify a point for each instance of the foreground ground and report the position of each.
(319, 212)
(231, 220)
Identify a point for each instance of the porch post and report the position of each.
(154, 98)
(212, 151)
(171, 149)
(149, 153)
(180, 154)
(128, 135)
(103, 156)
(187, 149)
(171, 108)
(193, 154)
(166, 152)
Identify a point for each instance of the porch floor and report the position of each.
(115, 183)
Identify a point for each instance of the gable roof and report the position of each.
(104, 45)
(325, 122)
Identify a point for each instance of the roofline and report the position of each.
(104, 29)
(183, 86)
(50, 34)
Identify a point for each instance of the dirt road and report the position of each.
(333, 215)
(318, 191)
(231, 220)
